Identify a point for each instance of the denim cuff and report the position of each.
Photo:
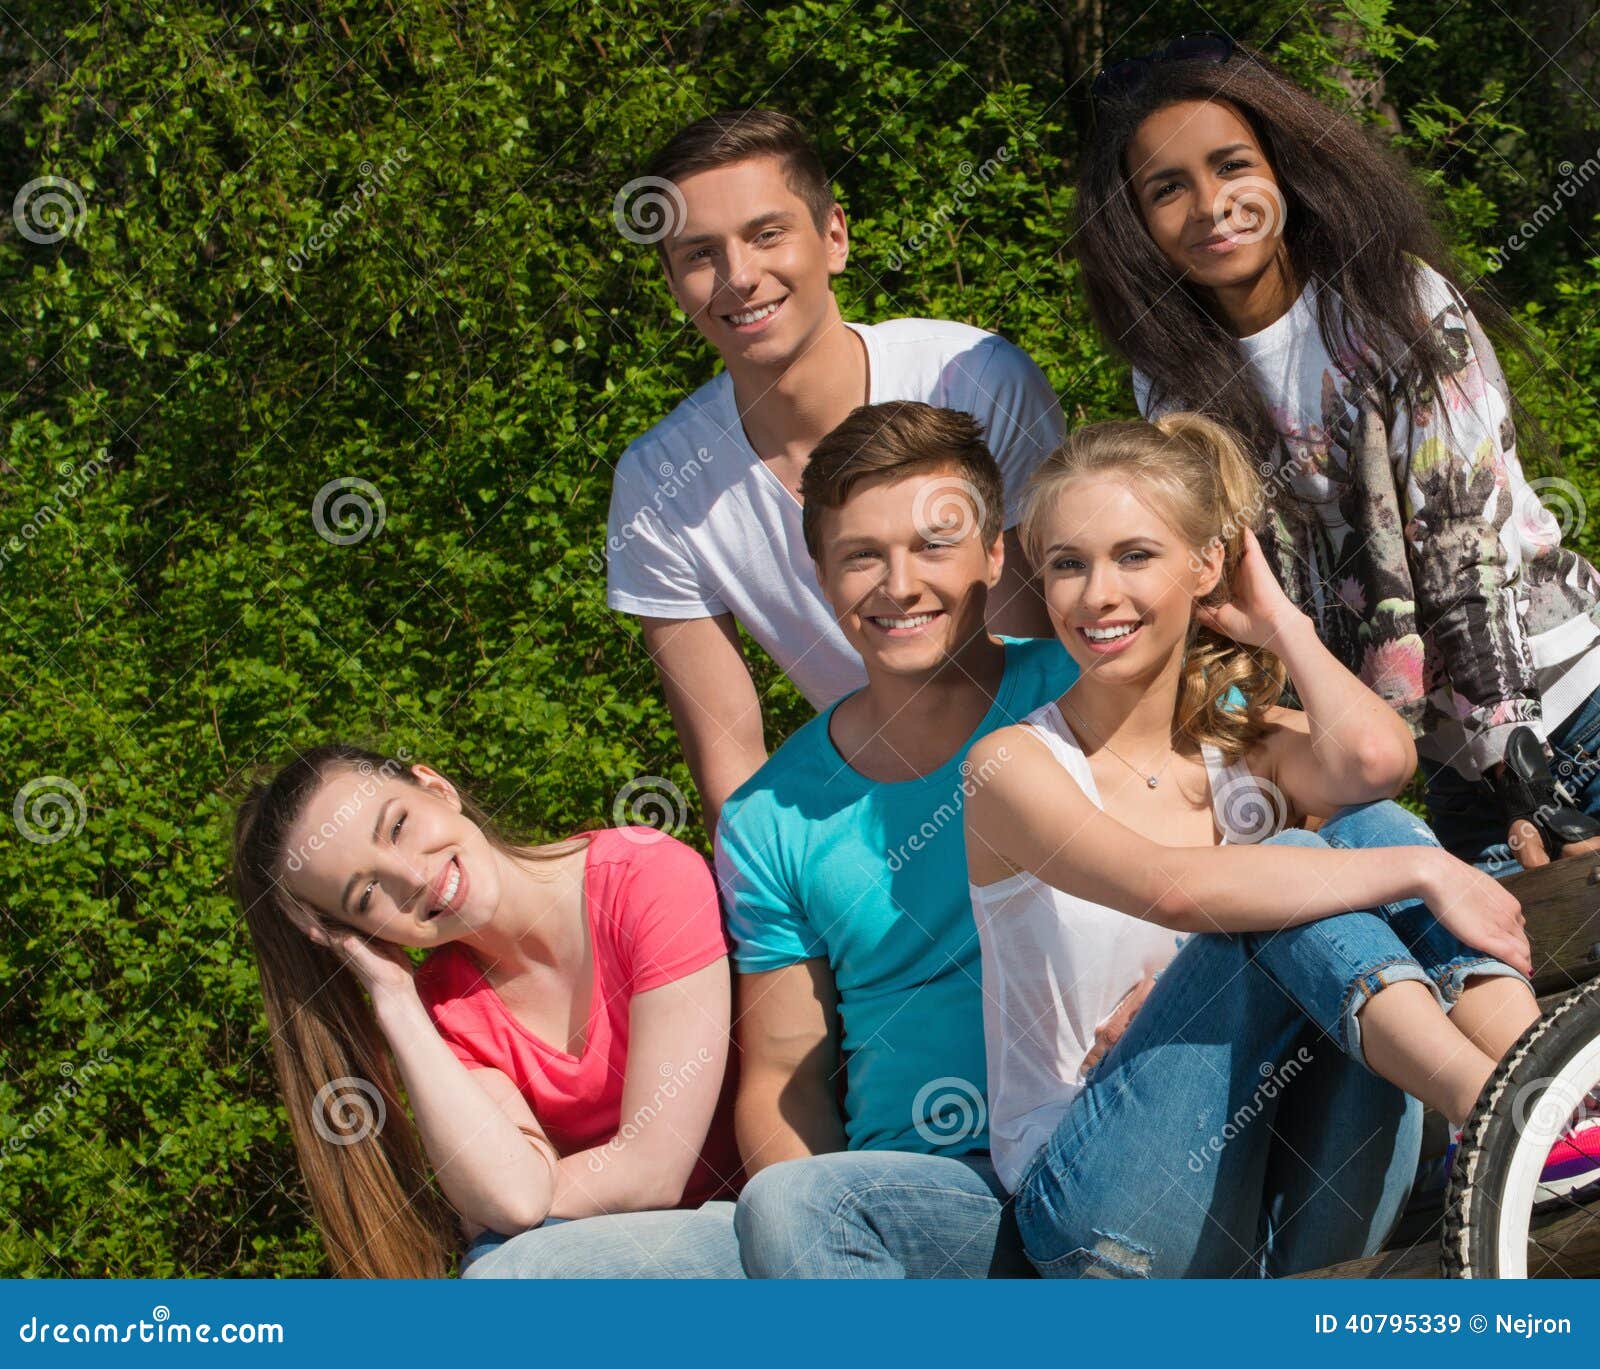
(1453, 977)
(1362, 988)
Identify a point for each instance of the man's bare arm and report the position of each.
(713, 703)
(787, 1027)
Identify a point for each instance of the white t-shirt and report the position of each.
(1055, 967)
(700, 526)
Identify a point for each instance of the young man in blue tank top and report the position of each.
(843, 873)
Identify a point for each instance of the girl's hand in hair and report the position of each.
(1475, 907)
(1259, 609)
(381, 966)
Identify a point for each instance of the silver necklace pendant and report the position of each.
(1150, 780)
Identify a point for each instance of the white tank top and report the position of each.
(1055, 966)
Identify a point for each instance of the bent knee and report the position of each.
(778, 1191)
(770, 1216)
(1381, 823)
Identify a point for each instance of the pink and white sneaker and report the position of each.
(1574, 1161)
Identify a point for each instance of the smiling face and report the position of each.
(1120, 582)
(749, 266)
(903, 564)
(392, 859)
(1207, 194)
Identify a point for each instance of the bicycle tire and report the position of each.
(1489, 1203)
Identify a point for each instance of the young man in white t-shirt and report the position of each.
(704, 529)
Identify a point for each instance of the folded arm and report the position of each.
(677, 1054)
(494, 1163)
(1347, 746)
(1027, 813)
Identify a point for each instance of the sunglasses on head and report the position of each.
(1121, 79)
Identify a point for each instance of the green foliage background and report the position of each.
(479, 342)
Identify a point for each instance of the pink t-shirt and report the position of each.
(653, 918)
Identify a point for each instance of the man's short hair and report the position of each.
(735, 135)
(899, 438)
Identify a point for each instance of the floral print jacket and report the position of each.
(1410, 535)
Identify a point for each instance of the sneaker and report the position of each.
(1450, 1152)
(1574, 1161)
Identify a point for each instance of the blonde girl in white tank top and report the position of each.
(1130, 815)
(1062, 965)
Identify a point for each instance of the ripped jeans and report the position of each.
(1234, 1130)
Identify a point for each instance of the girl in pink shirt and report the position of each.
(563, 1049)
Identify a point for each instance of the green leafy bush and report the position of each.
(374, 241)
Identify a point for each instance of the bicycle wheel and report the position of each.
(1503, 1217)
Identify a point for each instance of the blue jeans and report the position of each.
(1234, 1130)
(879, 1214)
(1466, 814)
(692, 1243)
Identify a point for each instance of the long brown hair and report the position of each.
(378, 1211)
(1210, 491)
(1357, 219)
